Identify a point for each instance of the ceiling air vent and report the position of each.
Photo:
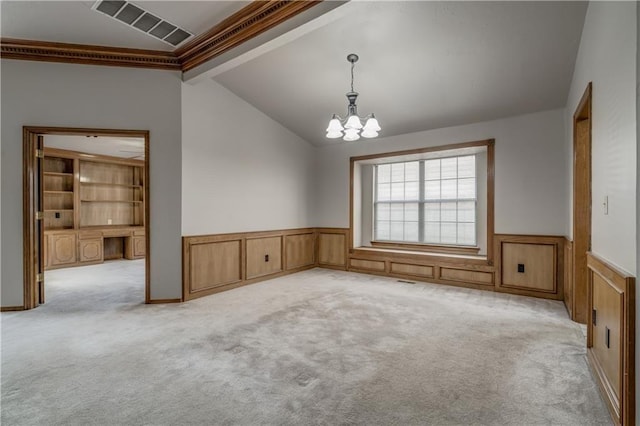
(142, 20)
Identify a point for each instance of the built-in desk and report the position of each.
(69, 247)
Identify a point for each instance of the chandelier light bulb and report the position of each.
(353, 122)
(350, 129)
(351, 135)
(335, 125)
(368, 133)
(372, 124)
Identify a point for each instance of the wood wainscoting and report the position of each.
(214, 263)
(464, 271)
(611, 336)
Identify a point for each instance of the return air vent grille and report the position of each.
(142, 20)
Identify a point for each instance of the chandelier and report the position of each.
(351, 128)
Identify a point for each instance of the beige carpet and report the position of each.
(319, 347)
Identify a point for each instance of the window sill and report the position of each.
(427, 248)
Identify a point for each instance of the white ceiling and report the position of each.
(423, 65)
(76, 22)
(102, 145)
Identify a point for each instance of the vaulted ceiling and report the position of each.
(423, 64)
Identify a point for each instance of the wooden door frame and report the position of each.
(29, 169)
(581, 223)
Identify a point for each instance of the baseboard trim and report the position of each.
(11, 308)
(162, 301)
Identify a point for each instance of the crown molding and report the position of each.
(250, 21)
(33, 50)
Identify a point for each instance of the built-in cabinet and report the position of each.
(93, 208)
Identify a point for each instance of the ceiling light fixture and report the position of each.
(351, 128)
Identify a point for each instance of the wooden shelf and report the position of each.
(120, 185)
(111, 201)
(58, 192)
(57, 174)
(59, 210)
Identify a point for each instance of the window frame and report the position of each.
(440, 249)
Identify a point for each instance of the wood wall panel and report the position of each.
(611, 310)
(476, 277)
(264, 256)
(371, 265)
(406, 269)
(225, 267)
(300, 250)
(543, 257)
(215, 264)
(332, 248)
(539, 266)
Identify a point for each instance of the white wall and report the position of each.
(67, 95)
(242, 171)
(607, 57)
(529, 170)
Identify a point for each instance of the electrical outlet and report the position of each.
(521, 267)
(109, 221)
(57, 215)
(266, 257)
(605, 205)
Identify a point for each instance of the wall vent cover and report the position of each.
(138, 18)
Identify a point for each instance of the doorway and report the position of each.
(576, 299)
(86, 198)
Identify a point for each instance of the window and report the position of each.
(430, 201)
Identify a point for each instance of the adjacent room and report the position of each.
(319, 212)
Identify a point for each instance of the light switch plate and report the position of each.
(606, 204)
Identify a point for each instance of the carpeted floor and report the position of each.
(318, 347)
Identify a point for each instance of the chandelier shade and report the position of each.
(351, 128)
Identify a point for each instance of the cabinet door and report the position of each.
(139, 246)
(90, 250)
(62, 249)
(264, 256)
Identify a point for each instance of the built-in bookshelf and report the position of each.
(93, 208)
(110, 194)
(100, 191)
(58, 194)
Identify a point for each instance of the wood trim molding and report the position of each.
(581, 204)
(247, 23)
(33, 50)
(615, 310)
(11, 308)
(163, 301)
(29, 250)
